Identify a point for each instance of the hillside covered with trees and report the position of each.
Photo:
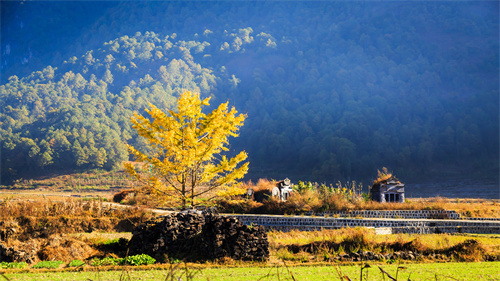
(332, 91)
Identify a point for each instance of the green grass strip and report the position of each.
(435, 271)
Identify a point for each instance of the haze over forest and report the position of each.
(333, 90)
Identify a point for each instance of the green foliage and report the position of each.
(76, 263)
(106, 261)
(48, 264)
(141, 259)
(303, 186)
(109, 241)
(285, 254)
(351, 190)
(16, 265)
(424, 271)
(366, 197)
(79, 119)
(136, 260)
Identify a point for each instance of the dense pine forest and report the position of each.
(332, 90)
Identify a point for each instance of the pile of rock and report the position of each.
(199, 236)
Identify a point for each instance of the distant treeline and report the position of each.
(333, 90)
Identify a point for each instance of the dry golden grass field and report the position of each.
(79, 222)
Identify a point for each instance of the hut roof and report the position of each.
(392, 180)
(389, 179)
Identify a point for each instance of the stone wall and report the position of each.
(394, 214)
(286, 223)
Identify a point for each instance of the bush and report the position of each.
(136, 260)
(48, 264)
(106, 261)
(303, 201)
(335, 201)
(17, 265)
(76, 263)
(304, 186)
(141, 259)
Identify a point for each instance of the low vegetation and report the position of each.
(47, 230)
(331, 245)
(294, 247)
(48, 264)
(106, 249)
(135, 260)
(83, 235)
(314, 197)
(86, 181)
(76, 263)
(46, 217)
(13, 265)
(427, 271)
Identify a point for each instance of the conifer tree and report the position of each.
(187, 160)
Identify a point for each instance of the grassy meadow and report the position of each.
(421, 271)
(77, 225)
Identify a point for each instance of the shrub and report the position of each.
(18, 265)
(48, 264)
(304, 186)
(136, 260)
(303, 201)
(335, 201)
(76, 263)
(141, 259)
(106, 261)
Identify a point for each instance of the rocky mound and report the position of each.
(197, 236)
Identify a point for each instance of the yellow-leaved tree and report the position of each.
(187, 161)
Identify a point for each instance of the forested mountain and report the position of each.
(333, 90)
(78, 115)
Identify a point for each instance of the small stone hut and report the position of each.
(283, 190)
(389, 190)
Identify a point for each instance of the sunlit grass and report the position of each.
(434, 241)
(326, 244)
(436, 271)
(78, 181)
